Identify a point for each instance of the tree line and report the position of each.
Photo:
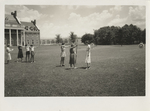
(110, 35)
(72, 38)
(128, 34)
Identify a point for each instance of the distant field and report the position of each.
(115, 71)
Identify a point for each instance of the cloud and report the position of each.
(76, 23)
(30, 13)
(117, 21)
(23, 13)
(116, 9)
(49, 30)
(137, 13)
(137, 16)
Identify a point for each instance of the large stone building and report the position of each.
(20, 33)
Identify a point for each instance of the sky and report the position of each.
(80, 19)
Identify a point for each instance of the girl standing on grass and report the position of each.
(8, 50)
(88, 55)
(20, 53)
(73, 56)
(27, 52)
(63, 54)
(32, 53)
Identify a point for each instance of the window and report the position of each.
(32, 41)
(37, 42)
(14, 25)
(7, 25)
(28, 42)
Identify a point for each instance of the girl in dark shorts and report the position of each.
(27, 52)
(73, 56)
(20, 53)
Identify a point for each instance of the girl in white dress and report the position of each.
(8, 50)
(32, 53)
(88, 55)
(63, 54)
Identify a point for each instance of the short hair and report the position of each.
(63, 43)
(8, 45)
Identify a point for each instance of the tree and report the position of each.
(143, 36)
(128, 34)
(66, 41)
(72, 37)
(52, 41)
(58, 39)
(87, 37)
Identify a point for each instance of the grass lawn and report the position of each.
(115, 71)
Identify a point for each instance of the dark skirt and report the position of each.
(72, 58)
(20, 54)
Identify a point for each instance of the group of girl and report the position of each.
(72, 60)
(73, 55)
(29, 51)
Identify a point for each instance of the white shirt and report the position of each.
(32, 48)
(27, 48)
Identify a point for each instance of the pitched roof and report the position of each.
(10, 20)
(27, 24)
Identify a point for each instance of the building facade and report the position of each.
(20, 33)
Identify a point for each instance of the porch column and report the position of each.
(10, 37)
(24, 37)
(17, 37)
(21, 40)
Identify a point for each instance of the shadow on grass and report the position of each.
(58, 66)
(76, 68)
(81, 68)
(68, 68)
(24, 62)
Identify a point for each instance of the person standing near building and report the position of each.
(32, 53)
(73, 56)
(20, 53)
(27, 53)
(8, 50)
(88, 55)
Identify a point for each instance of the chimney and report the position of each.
(34, 22)
(14, 14)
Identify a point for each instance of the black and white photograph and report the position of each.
(69, 50)
(63, 52)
